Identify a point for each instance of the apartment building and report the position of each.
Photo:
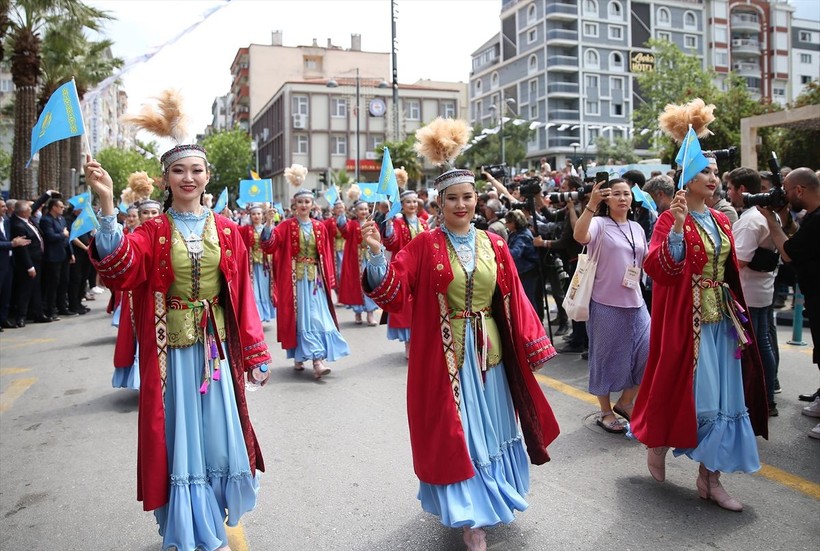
(805, 55)
(570, 66)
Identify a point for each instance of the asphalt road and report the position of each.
(339, 473)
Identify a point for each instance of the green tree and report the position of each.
(230, 156)
(23, 22)
(621, 150)
(487, 150)
(5, 165)
(797, 146)
(121, 163)
(404, 155)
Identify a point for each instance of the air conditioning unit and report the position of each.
(299, 121)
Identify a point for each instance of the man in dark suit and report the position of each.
(27, 266)
(6, 265)
(55, 253)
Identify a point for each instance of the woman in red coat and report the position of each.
(354, 260)
(476, 342)
(398, 233)
(199, 339)
(703, 391)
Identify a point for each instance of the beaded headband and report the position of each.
(302, 193)
(452, 177)
(255, 207)
(181, 151)
(407, 193)
(358, 202)
(148, 204)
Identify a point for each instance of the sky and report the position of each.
(199, 63)
(435, 39)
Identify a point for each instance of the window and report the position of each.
(338, 145)
(591, 81)
(618, 109)
(448, 109)
(616, 33)
(301, 144)
(532, 64)
(721, 59)
(413, 110)
(664, 18)
(338, 107)
(313, 63)
(494, 81)
(591, 8)
(663, 35)
(531, 14)
(720, 35)
(779, 91)
(690, 21)
(534, 111)
(374, 142)
(690, 41)
(479, 110)
(616, 83)
(593, 108)
(616, 61)
(805, 79)
(532, 36)
(478, 86)
(805, 36)
(533, 90)
(299, 105)
(591, 59)
(592, 134)
(615, 10)
(805, 58)
(591, 30)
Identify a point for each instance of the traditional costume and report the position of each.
(308, 330)
(199, 338)
(259, 268)
(476, 342)
(356, 253)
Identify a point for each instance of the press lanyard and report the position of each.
(631, 242)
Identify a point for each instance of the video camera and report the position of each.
(727, 154)
(776, 197)
(499, 171)
(580, 193)
(530, 187)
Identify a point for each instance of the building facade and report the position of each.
(569, 67)
(805, 57)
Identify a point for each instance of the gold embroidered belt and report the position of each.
(732, 308)
(481, 340)
(306, 260)
(214, 353)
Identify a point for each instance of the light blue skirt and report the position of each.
(397, 334)
(316, 335)
(115, 317)
(494, 442)
(261, 293)
(726, 441)
(211, 479)
(339, 259)
(369, 305)
(128, 377)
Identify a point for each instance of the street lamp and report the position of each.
(574, 146)
(333, 84)
(255, 149)
(504, 103)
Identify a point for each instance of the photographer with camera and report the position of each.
(801, 189)
(493, 212)
(526, 258)
(757, 259)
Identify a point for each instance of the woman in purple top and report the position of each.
(618, 323)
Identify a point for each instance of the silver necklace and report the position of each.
(193, 243)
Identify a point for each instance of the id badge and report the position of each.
(632, 277)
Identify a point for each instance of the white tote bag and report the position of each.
(576, 301)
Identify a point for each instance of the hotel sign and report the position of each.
(641, 62)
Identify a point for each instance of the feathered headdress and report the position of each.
(401, 177)
(354, 192)
(167, 120)
(296, 174)
(675, 119)
(141, 186)
(440, 142)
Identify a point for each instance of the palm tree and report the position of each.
(26, 19)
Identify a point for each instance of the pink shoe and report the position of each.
(407, 350)
(371, 319)
(319, 369)
(359, 318)
(656, 462)
(710, 489)
(298, 366)
(475, 538)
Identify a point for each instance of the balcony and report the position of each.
(745, 47)
(559, 36)
(562, 63)
(558, 89)
(747, 22)
(564, 115)
(562, 141)
(746, 69)
(562, 11)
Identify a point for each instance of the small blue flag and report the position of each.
(642, 197)
(123, 207)
(332, 195)
(370, 192)
(256, 191)
(388, 184)
(222, 202)
(278, 207)
(690, 158)
(61, 118)
(84, 223)
(81, 200)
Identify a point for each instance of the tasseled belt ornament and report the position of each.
(482, 339)
(214, 353)
(734, 311)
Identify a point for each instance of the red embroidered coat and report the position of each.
(126, 347)
(423, 270)
(141, 264)
(283, 244)
(401, 237)
(333, 231)
(350, 287)
(664, 413)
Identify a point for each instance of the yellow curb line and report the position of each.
(26, 342)
(15, 389)
(774, 474)
(236, 538)
(13, 370)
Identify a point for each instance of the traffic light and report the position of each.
(323, 180)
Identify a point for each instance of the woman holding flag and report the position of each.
(260, 263)
(355, 258)
(702, 391)
(303, 253)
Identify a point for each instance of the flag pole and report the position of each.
(685, 155)
(82, 119)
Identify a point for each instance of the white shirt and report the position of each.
(751, 231)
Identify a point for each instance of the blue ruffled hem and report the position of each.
(726, 444)
(267, 311)
(368, 306)
(127, 377)
(198, 509)
(402, 335)
(312, 345)
(490, 497)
